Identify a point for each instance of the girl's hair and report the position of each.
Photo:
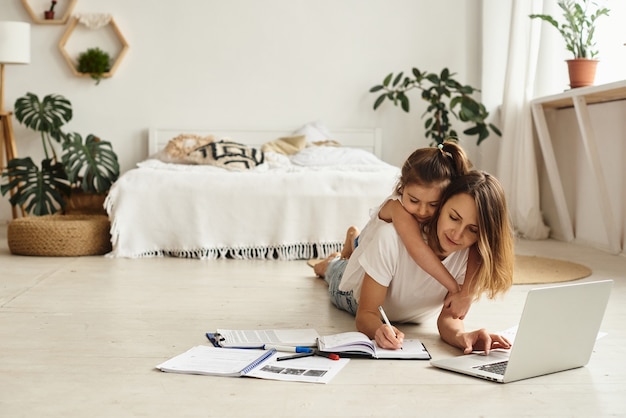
(495, 234)
(434, 166)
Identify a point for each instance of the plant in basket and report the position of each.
(88, 166)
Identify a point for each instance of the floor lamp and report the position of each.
(14, 49)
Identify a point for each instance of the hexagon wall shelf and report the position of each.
(39, 19)
(71, 62)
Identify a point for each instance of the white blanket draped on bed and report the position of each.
(206, 212)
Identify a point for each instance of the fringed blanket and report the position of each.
(205, 212)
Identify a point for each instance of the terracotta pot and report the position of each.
(48, 14)
(582, 72)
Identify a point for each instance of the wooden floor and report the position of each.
(79, 337)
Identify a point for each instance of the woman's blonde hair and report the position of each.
(434, 166)
(495, 234)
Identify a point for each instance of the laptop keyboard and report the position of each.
(496, 368)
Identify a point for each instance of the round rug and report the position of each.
(538, 270)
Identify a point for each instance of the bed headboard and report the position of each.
(369, 139)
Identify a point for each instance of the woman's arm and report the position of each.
(368, 317)
(451, 327)
(453, 332)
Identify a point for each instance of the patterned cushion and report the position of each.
(227, 154)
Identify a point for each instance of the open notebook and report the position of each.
(358, 344)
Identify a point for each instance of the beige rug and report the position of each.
(537, 270)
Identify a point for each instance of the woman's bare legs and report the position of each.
(348, 245)
(320, 268)
(346, 252)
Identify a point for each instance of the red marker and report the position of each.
(331, 356)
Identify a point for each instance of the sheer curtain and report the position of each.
(517, 166)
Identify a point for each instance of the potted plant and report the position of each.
(88, 167)
(445, 96)
(94, 62)
(578, 31)
(49, 14)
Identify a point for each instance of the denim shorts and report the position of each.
(341, 299)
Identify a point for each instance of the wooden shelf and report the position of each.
(593, 94)
(36, 17)
(116, 60)
(579, 99)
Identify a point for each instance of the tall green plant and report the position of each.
(579, 25)
(445, 97)
(91, 166)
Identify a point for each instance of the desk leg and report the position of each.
(589, 142)
(545, 142)
(8, 143)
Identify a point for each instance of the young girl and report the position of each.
(424, 176)
(470, 231)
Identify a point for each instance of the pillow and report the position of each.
(227, 154)
(314, 131)
(340, 156)
(287, 145)
(178, 148)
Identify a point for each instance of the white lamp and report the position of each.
(14, 49)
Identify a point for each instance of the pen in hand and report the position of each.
(386, 320)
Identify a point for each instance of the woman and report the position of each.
(472, 235)
(424, 176)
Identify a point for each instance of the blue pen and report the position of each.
(288, 349)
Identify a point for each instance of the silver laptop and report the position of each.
(557, 331)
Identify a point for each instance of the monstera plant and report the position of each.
(88, 166)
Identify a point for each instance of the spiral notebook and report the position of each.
(247, 362)
(214, 361)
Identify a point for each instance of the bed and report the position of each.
(288, 207)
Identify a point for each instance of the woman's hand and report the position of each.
(481, 340)
(386, 338)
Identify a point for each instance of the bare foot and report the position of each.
(320, 268)
(348, 245)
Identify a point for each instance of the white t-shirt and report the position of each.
(413, 295)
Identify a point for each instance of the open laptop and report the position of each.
(557, 331)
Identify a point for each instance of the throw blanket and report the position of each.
(206, 212)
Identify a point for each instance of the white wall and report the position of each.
(249, 64)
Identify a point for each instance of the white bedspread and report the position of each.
(285, 212)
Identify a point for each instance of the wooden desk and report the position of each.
(579, 99)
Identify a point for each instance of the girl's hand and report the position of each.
(391, 340)
(458, 304)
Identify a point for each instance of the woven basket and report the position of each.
(60, 235)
